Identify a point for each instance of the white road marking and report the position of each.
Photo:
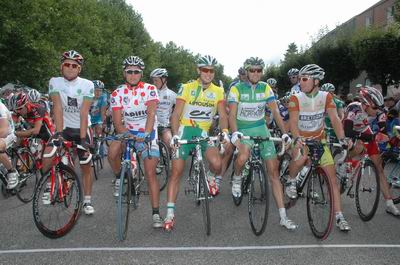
(232, 248)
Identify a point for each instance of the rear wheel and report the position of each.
(258, 203)
(319, 204)
(28, 174)
(57, 215)
(367, 191)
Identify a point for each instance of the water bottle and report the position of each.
(303, 173)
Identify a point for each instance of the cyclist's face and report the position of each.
(157, 81)
(97, 93)
(133, 74)
(294, 79)
(206, 74)
(254, 74)
(306, 83)
(70, 69)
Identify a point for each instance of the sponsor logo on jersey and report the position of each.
(201, 104)
(193, 93)
(133, 114)
(153, 93)
(210, 95)
(244, 96)
(200, 115)
(73, 102)
(260, 96)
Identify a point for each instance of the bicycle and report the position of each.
(131, 180)
(197, 178)
(57, 200)
(255, 183)
(319, 202)
(164, 163)
(97, 159)
(24, 162)
(367, 186)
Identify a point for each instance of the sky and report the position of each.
(233, 30)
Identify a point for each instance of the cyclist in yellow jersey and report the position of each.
(196, 104)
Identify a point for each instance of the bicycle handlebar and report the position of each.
(266, 138)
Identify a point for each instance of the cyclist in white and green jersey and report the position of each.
(247, 102)
(330, 88)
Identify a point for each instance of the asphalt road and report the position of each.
(93, 240)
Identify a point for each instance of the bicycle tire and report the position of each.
(28, 177)
(204, 198)
(370, 185)
(163, 163)
(123, 204)
(320, 194)
(70, 181)
(94, 169)
(258, 184)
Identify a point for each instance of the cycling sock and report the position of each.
(389, 203)
(170, 209)
(282, 213)
(156, 211)
(87, 199)
(339, 215)
(218, 180)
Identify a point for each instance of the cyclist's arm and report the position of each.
(232, 116)
(34, 131)
(84, 117)
(340, 112)
(175, 117)
(57, 112)
(223, 117)
(3, 127)
(336, 123)
(277, 116)
(117, 120)
(151, 115)
(293, 123)
(103, 113)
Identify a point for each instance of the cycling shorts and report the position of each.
(187, 133)
(267, 148)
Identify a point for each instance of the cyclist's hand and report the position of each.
(235, 137)
(142, 137)
(174, 139)
(86, 145)
(286, 139)
(57, 137)
(346, 143)
(225, 137)
(298, 143)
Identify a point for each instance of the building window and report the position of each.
(368, 22)
(390, 14)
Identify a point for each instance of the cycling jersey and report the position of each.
(328, 125)
(359, 117)
(312, 110)
(133, 103)
(251, 101)
(167, 101)
(38, 112)
(95, 109)
(295, 89)
(200, 105)
(72, 94)
(6, 114)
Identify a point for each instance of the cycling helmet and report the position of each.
(33, 95)
(313, 70)
(206, 60)
(72, 55)
(371, 95)
(253, 62)
(133, 61)
(18, 101)
(159, 72)
(241, 71)
(293, 71)
(328, 87)
(271, 82)
(98, 84)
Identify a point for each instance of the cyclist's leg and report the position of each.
(12, 175)
(114, 157)
(166, 136)
(226, 157)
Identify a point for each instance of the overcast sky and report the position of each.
(233, 30)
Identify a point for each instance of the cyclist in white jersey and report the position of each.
(135, 102)
(293, 75)
(166, 105)
(7, 138)
(72, 97)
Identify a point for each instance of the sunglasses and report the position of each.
(133, 72)
(206, 70)
(293, 76)
(305, 79)
(255, 70)
(73, 65)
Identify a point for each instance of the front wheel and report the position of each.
(163, 165)
(319, 204)
(367, 191)
(203, 198)
(123, 203)
(55, 213)
(28, 175)
(258, 203)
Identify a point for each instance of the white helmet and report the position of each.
(313, 70)
(293, 71)
(370, 95)
(133, 61)
(159, 72)
(271, 82)
(33, 95)
(328, 87)
(206, 60)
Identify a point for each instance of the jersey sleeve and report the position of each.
(330, 104)
(294, 104)
(269, 94)
(233, 96)
(152, 94)
(88, 91)
(183, 93)
(53, 88)
(116, 100)
(3, 111)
